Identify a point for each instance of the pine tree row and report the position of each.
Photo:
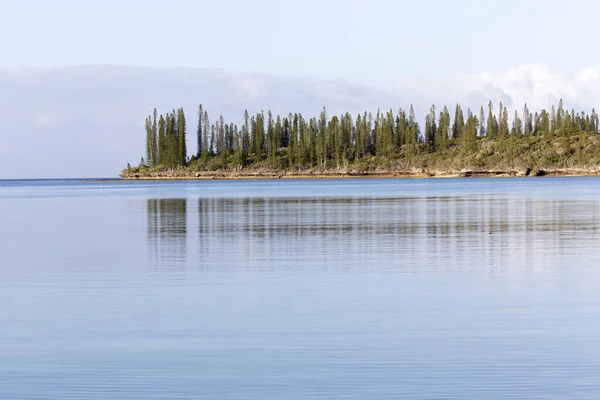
(166, 140)
(294, 141)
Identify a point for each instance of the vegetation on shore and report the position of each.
(385, 144)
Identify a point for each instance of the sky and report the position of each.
(338, 53)
(375, 42)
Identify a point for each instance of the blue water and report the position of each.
(337, 289)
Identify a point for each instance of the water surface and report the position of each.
(353, 289)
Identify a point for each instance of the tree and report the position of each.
(526, 121)
(301, 134)
(482, 129)
(168, 140)
(370, 140)
(175, 149)
(552, 121)
(360, 134)
(172, 140)
(504, 123)
(162, 140)
(154, 139)
(213, 136)
(567, 124)
(199, 136)
(469, 135)
(346, 125)
(221, 142)
(536, 124)
(182, 151)
(496, 127)
(333, 129)
(237, 148)
(517, 128)
(292, 139)
(412, 133)
(313, 132)
(206, 150)
(544, 123)
(431, 130)
(491, 132)
(595, 123)
(322, 139)
(443, 128)
(377, 134)
(587, 124)
(227, 133)
(278, 133)
(149, 140)
(259, 135)
(401, 129)
(271, 142)
(246, 135)
(579, 122)
(459, 123)
(560, 118)
(299, 145)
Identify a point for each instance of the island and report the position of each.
(384, 144)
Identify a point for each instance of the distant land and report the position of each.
(483, 142)
(87, 121)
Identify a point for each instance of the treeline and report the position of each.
(166, 139)
(294, 141)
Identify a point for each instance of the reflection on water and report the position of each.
(445, 232)
(396, 216)
(167, 230)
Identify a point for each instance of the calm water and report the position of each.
(353, 289)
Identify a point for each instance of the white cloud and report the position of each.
(247, 89)
(534, 84)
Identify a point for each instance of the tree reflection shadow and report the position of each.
(167, 231)
(453, 232)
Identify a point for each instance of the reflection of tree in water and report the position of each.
(167, 231)
(464, 231)
(432, 216)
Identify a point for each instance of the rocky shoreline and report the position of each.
(183, 174)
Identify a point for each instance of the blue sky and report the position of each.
(372, 42)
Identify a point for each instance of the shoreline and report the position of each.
(306, 175)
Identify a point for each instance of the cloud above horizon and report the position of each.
(534, 84)
(88, 121)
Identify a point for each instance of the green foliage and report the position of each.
(181, 138)
(366, 142)
(162, 140)
(199, 135)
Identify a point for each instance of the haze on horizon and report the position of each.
(75, 122)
